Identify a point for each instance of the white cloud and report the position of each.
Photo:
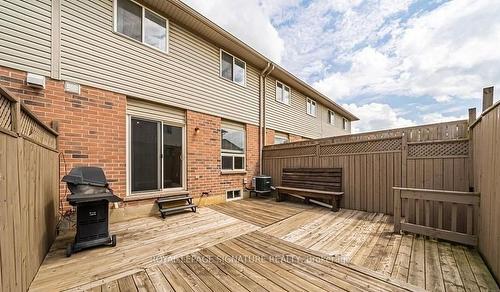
(376, 116)
(247, 20)
(437, 117)
(449, 52)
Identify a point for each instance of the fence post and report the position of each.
(470, 160)
(404, 157)
(487, 97)
(397, 209)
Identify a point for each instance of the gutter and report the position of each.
(262, 110)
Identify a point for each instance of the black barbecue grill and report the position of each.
(91, 195)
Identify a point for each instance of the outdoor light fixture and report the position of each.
(196, 130)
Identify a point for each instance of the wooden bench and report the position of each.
(319, 183)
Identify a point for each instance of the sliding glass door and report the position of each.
(156, 155)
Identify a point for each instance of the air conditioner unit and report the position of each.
(35, 80)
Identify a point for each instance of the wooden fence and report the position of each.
(425, 201)
(430, 156)
(486, 168)
(29, 193)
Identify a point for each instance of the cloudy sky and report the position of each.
(392, 63)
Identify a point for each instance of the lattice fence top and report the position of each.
(291, 152)
(32, 129)
(458, 148)
(383, 145)
(5, 113)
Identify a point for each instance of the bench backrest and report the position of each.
(322, 179)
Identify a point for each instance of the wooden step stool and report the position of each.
(165, 210)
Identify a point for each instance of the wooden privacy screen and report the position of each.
(430, 156)
(29, 193)
(485, 134)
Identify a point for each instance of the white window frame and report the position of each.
(160, 148)
(283, 86)
(233, 190)
(233, 153)
(331, 117)
(234, 58)
(344, 123)
(115, 26)
(282, 137)
(309, 100)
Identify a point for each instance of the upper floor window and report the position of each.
(331, 117)
(345, 122)
(280, 138)
(141, 24)
(232, 68)
(232, 147)
(311, 107)
(282, 93)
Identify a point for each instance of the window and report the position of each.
(140, 24)
(156, 151)
(344, 123)
(331, 117)
(233, 147)
(232, 68)
(282, 93)
(233, 195)
(280, 138)
(311, 107)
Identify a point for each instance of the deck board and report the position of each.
(193, 248)
(275, 265)
(367, 240)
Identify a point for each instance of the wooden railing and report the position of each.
(413, 209)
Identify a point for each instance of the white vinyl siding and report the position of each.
(187, 77)
(25, 35)
(294, 119)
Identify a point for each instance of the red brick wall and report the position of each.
(269, 137)
(91, 125)
(92, 129)
(203, 156)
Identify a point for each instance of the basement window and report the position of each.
(138, 23)
(311, 107)
(232, 68)
(281, 138)
(233, 195)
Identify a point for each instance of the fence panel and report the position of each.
(486, 169)
(29, 188)
(429, 156)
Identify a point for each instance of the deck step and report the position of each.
(167, 211)
(173, 198)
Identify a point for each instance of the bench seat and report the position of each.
(318, 183)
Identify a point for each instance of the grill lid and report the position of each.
(86, 175)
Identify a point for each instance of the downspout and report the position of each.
(262, 111)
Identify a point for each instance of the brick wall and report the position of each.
(92, 128)
(269, 137)
(203, 155)
(91, 125)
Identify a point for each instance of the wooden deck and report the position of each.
(367, 240)
(255, 262)
(347, 250)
